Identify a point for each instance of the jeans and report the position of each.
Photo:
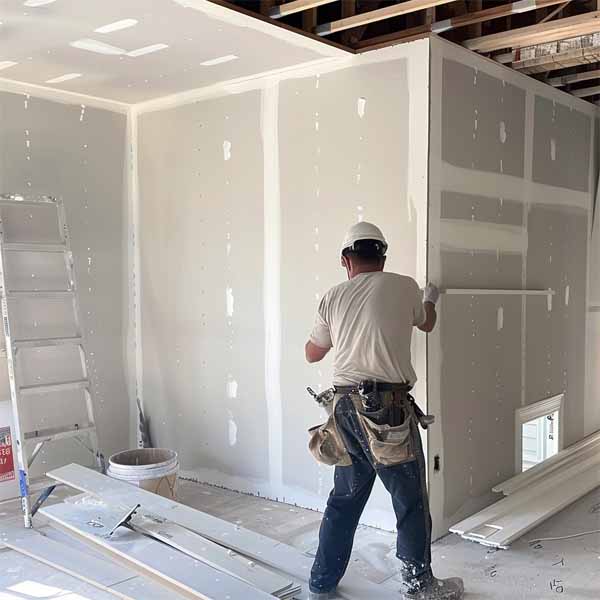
(406, 484)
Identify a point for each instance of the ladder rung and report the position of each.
(54, 387)
(33, 247)
(41, 293)
(44, 343)
(58, 433)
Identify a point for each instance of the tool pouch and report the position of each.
(390, 445)
(326, 444)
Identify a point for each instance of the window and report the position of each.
(539, 432)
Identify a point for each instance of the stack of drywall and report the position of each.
(535, 495)
(188, 551)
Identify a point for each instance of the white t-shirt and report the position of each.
(368, 322)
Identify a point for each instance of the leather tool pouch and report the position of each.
(390, 444)
(326, 444)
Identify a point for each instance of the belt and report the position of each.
(381, 387)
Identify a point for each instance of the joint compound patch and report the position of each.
(232, 430)
(553, 149)
(549, 302)
(567, 295)
(227, 150)
(503, 135)
(361, 105)
(232, 388)
(229, 302)
(500, 318)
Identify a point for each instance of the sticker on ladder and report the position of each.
(7, 465)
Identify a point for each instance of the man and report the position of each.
(368, 321)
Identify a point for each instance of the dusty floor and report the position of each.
(569, 568)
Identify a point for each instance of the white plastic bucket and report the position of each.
(152, 469)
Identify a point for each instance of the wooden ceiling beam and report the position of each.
(296, 6)
(463, 20)
(372, 16)
(574, 78)
(586, 92)
(538, 34)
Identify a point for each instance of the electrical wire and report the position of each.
(564, 537)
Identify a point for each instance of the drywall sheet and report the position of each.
(76, 153)
(201, 190)
(510, 204)
(244, 202)
(344, 156)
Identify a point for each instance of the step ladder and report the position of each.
(30, 443)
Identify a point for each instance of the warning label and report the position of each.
(7, 465)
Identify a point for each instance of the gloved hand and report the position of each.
(431, 293)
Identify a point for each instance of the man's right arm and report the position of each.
(430, 298)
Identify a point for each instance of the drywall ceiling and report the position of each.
(37, 36)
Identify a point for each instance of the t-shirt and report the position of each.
(368, 322)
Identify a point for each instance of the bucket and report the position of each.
(152, 469)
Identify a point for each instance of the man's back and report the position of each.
(368, 320)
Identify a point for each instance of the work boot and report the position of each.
(438, 589)
(321, 595)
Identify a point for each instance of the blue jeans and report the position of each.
(406, 484)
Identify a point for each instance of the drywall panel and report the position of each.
(324, 189)
(484, 120)
(201, 219)
(510, 203)
(76, 153)
(561, 145)
(244, 202)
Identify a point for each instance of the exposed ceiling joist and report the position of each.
(574, 78)
(469, 18)
(586, 92)
(538, 34)
(372, 16)
(296, 6)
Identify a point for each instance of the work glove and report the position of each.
(431, 294)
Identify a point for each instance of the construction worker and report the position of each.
(368, 321)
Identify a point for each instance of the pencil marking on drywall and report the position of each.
(229, 302)
(500, 318)
(361, 105)
(227, 150)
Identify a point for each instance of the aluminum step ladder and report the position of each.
(30, 443)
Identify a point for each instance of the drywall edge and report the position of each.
(62, 96)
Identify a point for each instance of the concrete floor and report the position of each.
(569, 568)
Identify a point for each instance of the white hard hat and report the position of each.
(363, 231)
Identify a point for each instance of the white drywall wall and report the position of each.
(75, 152)
(244, 199)
(512, 169)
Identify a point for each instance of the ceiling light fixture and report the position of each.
(36, 3)
(99, 47)
(147, 50)
(66, 77)
(117, 26)
(220, 60)
(5, 64)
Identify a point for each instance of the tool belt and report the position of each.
(388, 416)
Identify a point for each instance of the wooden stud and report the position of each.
(585, 92)
(296, 6)
(471, 18)
(538, 34)
(574, 78)
(372, 16)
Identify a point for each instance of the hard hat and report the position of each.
(363, 231)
